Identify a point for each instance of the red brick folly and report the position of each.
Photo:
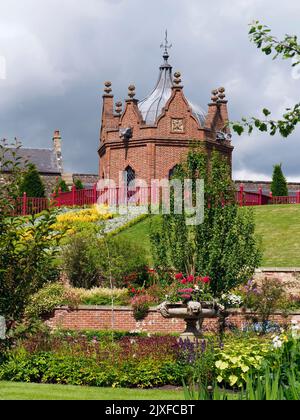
(148, 138)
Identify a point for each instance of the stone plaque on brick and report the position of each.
(2, 328)
(177, 125)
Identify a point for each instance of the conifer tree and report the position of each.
(279, 184)
(32, 183)
(79, 185)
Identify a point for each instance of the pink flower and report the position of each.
(190, 279)
(179, 276)
(186, 291)
(186, 296)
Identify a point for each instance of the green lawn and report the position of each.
(21, 391)
(278, 226)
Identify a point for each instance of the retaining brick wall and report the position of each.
(101, 318)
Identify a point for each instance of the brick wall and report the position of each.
(154, 150)
(102, 318)
(86, 179)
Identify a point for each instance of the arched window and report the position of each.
(173, 171)
(130, 176)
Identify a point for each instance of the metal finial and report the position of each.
(166, 46)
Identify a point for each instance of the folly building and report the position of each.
(148, 138)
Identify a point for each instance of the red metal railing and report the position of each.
(140, 196)
(26, 206)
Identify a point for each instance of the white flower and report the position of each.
(277, 343)
(197, 288)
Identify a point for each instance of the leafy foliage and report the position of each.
(91, 261)
(79, 185)
(32, 183)
(224, 246)
(288, 48)
(61, 185)
(279, 186)
(11, 163)
(130, 362)
(237, 358)
(27, 252)
(27, 262)
(264, 299)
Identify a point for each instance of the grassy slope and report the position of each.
(278, 226)
(20, 391)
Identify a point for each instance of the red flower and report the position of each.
(179, 276)
(184, 281)
(190, 279)
(205, 280)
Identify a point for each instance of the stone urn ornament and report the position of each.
(194, 305)
(193, 313)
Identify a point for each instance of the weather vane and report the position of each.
(166, 45)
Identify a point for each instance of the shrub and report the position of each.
(27, 262)
(264, 299)
(237, 357)
(45, 301)
(54, 295)
(224, 246)
(141, 305)
(60, 185)
(32, 183)
(90, 261)
(79, 185)
(139, 362)
(279, 186)
(51, 297)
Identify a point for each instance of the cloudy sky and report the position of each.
(57, 53)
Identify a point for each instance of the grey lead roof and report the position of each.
(152, 106)
(45, 160)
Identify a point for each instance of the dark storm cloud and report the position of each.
(59, 52)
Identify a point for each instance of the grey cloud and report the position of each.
(59, 53)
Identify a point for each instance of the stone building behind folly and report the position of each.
(148, 138)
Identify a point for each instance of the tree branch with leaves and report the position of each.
(287, 48)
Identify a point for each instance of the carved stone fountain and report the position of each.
(193, 313)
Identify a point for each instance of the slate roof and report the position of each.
(45, 160)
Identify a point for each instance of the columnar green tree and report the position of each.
(224, 246)
(79, 185)
(279, 186)
(32, 183)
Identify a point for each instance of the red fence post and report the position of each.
(73, 195)
(271, 196)
(260, 191)
(298, 197)
(59, 197)
(95, 194)
(24, 204)
(241, 195)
